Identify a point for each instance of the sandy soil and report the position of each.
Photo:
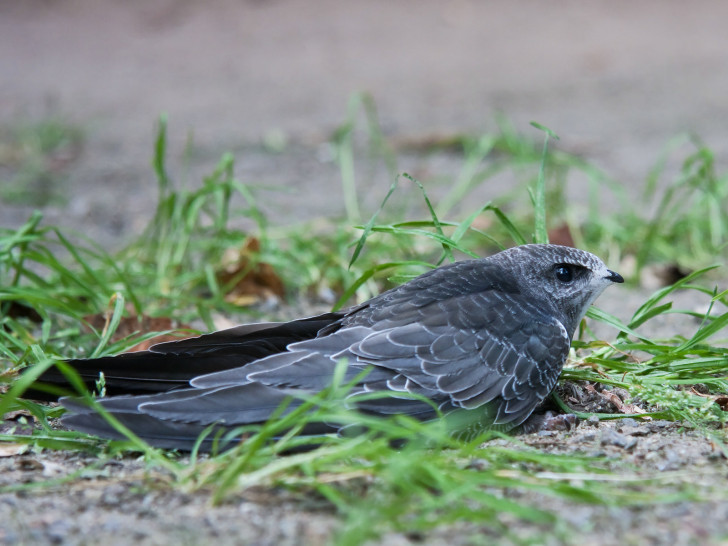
(616, 80)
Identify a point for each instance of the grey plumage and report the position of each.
(489, 333)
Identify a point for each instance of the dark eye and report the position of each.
(564, 273)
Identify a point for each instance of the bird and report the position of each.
(486, 337)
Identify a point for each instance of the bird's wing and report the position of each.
(310, 363)
(465, 352)
(490, 347)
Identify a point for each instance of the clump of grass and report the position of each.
(373, 482)
(680, 221)
(663, 373)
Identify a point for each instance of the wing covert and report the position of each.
(477, 349)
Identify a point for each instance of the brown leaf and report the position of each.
(133, 324)
(720, 399)
(250, 281)
(145, 345)
(482, 222)
(561, 235)
(617, 402)
(8, 449)
(12, 415)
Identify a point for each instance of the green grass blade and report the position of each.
(540, 232)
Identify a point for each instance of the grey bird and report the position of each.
(488, 336)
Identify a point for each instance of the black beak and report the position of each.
(614, 276)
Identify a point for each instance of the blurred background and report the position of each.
(83, 83)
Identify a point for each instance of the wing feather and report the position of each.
(490, 348)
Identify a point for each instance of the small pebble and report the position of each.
(612, 437)
(58, 531)
(622, 393)
(29, 465)
(478, 464)
(640, 430)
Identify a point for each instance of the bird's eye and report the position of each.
(564, 273)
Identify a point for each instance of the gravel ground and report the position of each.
(616, 80)
(122, 502)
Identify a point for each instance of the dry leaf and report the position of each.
(561, 235)
(10, 450)
(252, 281)
(12, 415)
(629, 409)
(482, 223)
(619, 404)
(145, 345)
(720, 399)
(134, 323)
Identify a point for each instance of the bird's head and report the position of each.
(566, 279)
